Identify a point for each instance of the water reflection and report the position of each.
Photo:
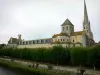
(4, 71)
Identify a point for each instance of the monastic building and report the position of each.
(67, 38)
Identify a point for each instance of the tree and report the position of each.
(2, 45)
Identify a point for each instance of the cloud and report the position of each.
(36, 19)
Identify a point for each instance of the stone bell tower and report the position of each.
(67, 27)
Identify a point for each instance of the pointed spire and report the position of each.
(86, 21)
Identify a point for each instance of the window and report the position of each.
(63, 28)
(29, 42)
(73, 29)
(67, 28)
(19, 43)
(84, 27)
(37, 41)
(26, 42)
(23, 43)
(63, 39)
(87, 31)
(46, 41)
(33, 42)
(41, 41)
(73, 40)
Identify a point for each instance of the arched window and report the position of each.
(29, 42)
(41, 41)
(87, 31)
(33, 42)
(63, 39)
(37, 41)
(26, 42)
(67, 28)
(73, 40)
(63, 28)
(19, 43)
(46, 41)
(23, 43)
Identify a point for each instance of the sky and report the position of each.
(37, 19)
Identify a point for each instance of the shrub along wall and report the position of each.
(88, 56)
(53, 55)
(94, 56)
(78, 56)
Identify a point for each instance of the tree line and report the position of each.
(86, 56)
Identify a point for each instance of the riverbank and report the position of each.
(43, 68)
(21, 68)
(26, 70)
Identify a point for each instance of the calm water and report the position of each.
(4, 71)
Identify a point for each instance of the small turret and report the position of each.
(19, 37)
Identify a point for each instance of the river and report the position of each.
(4, 71)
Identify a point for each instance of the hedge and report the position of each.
(87, 56)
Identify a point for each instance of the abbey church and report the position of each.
(67, 38)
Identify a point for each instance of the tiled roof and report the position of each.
(62, 42)
(77, 33)
(78, 43)
(61, 34)
(67, 22)
(14, 40)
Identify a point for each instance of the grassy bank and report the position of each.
(22, 68)
(26, 70)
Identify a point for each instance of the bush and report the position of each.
(78, 56)
(51, 55)
(87, 56)
(94, 56)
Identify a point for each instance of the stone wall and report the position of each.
(61, 39)
(35, 46)
(76, 39)
(46, 45)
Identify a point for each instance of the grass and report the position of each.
(28, 70)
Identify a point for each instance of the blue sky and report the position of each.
(36, 19)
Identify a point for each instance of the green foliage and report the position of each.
(53, 55)
(27, 70)
(94, 56)
(87, 56)
(78, 56)
(22, 68)
(2, 45)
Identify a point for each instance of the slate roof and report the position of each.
(78, 43)
(67, 22)
(14, 40)
(62, 42)
(77, 33)
(61, 34)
